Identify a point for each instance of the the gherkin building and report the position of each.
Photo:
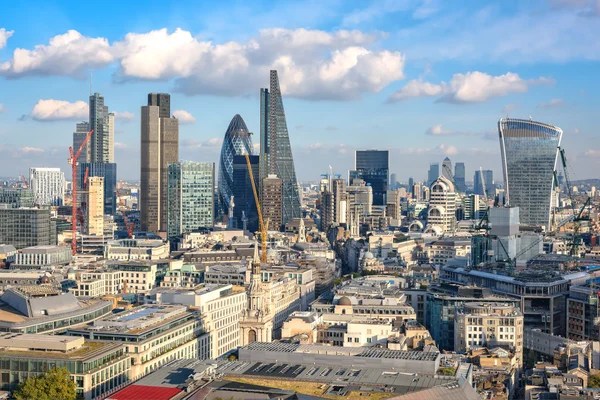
(237, 142)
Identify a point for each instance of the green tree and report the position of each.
(594, 381)
(56, 384)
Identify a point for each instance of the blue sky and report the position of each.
(423, 78)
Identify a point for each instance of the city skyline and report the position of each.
(419, 106)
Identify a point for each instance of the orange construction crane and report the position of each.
(262, 226)
(73, 161)
(24, 181)
(128, 225)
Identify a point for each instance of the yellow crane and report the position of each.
(262, 226)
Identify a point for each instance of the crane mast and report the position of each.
(262, 226)
(73, 162)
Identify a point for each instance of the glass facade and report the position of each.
(237, 142)
(245, 206)
(190, 197)
(529, 152)
(434, 173)
(488, 179)
(459, 177)
(372, 166)
(277, 152)
(108, 171)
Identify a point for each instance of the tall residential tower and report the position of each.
(529, 151)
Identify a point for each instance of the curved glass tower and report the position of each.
(529, 153)
(237, 142)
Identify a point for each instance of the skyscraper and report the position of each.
(393, 181)
(102, 122)
(190, 197)
(441, 214)
(459, 177)
(237, 141)
(447, 169)
(433, 174)
(372, 166)
(529, 151)
(411, 182)
(81, 131)
(159, 147)
(107, 171)
(245, 205)
(271, 202)
(93, 197)
(488, 181)
(48, 186)
(275, 149)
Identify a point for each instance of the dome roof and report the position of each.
(369, 255)
(345, 301)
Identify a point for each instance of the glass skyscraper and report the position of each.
(237, 142)
(108, 171)
(459, 177)
(190, 197)
(529, 153)
(102, 141)
(275, 149)
(434, 173)
(488, 179)
(245, 206)
(372, 166)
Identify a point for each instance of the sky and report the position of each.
(425, 79)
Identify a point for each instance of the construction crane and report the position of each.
(262, 226)
(83, 203)
(73, 162)
(24, 181)
(128, 225)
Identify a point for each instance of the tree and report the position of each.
(56, 384)
(594, 381)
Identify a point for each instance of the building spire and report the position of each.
(255, 259)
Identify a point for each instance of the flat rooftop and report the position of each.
(89, 349)
(45, 249)
(139, 319)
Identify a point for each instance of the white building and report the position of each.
(489, 325)
(98, 283)
(44, 256)
(136, 249)
(441, 214)
(48, 186)
(220, 309)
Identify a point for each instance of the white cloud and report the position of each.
(52, 110)
(472, 87)
(121, 146)
(30, 150)
(447, 150)
(184, 117)
(554, 103)
(67, 54)
(4, 35)
(125, 115)
(436, 130)
(592, 153)
(195, 144)
(313, 64)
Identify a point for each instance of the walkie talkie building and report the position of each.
(237, 142)
(529, 151)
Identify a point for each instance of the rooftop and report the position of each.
(45, 249)
(138, 319)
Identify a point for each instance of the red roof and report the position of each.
(140, 392)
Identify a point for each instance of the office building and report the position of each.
(484, 181)
(338, 189)
(16, 198)
(107, 171)
(326, 210)
(411, 182)
(489, 325)
(417, 191)
(220, 307)
(529, 151)
(393, 180)
(153, 335)
(102, 141)
(97, 368)
(237, 142)
(81, 131)
(191, 200)
(271, 202)
(275, 149)
(372, 166)
(447, 169)
(48, 186)
(26, 227)
(93, 206)
(433, 174)
(441, 214)
(245, 214)
(459, 177)
(43, 256)
(139, 276)
(136, 249)
(98, 282)
(159, 147)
